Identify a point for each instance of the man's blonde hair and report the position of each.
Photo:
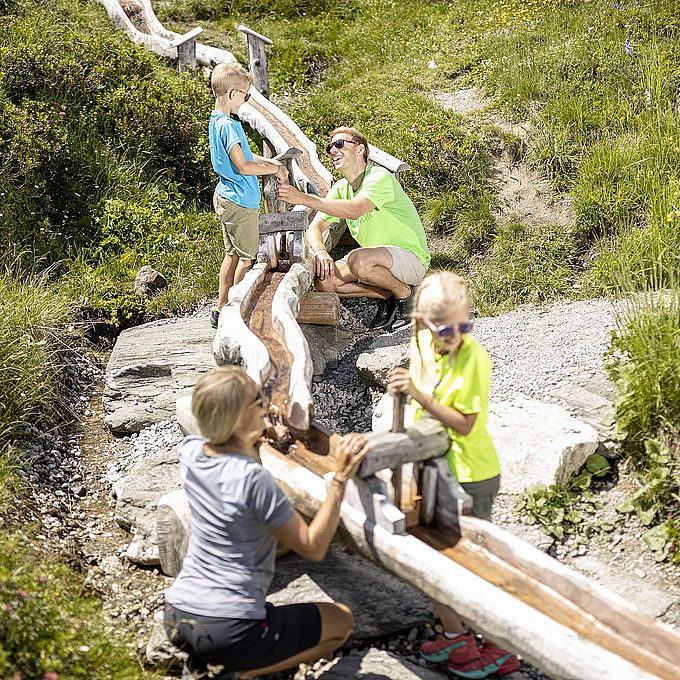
(227, 77)
(354, 135)
(439, 292)
(218, 402)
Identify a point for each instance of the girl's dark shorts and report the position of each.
(483, 494)
(245, 644)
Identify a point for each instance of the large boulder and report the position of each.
(382, 603)
(137, 497)
(150, 366)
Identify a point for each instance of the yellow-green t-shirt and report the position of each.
(463, 383)
(393, 222)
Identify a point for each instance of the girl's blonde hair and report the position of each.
(439, 292)
(218, 402)
(227, 77)
(436, 295)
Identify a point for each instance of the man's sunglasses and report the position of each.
(445, 331)
(338, 144)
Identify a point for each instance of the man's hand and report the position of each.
(325, 268)
(290, 194)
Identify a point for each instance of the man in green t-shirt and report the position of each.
(393, 255)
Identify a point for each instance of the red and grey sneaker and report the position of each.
(504, 662)
(439, 649)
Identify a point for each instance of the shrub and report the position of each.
(49, 627)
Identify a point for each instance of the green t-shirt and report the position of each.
(462, 383)
(393, 222)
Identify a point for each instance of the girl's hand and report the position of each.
(349, 453)
(399, 382)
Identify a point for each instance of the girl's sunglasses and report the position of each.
(338, 144)
(448, 331)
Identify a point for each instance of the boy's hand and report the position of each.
(282, 173)
(399, 382)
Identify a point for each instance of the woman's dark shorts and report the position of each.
(244, 644)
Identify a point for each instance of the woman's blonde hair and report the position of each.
(227, 77)
(218, 402)
(439, 292)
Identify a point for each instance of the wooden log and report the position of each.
(319, 308)
(578, 647)
(258, 58)
(424, 440)
(234, 342)
(186, 49)
(386, 160)
(285, 307)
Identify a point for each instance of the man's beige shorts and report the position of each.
(239, 228)
(406, 266)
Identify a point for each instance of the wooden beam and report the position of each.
(514, 609)
(285, 306)
(257, 55)
(320, 308)
(234, 342)
(424, 440)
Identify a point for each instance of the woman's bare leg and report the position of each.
(336, 625)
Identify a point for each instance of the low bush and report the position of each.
(49, 627)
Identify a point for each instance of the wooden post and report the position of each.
(258, 59)
(186, 49)
(398, 426)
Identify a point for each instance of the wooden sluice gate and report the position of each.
(524, 600)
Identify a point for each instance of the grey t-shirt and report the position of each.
(235, 505)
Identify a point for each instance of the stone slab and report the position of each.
(150, 366)
(381, 603)
(384, 353)
(376, 664)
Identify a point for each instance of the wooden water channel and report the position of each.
(563, 623)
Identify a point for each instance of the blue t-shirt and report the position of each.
(224, 133)
(235, 506)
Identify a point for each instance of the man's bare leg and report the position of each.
(372, 265)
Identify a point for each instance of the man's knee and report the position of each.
(360, 265)
(325, 285)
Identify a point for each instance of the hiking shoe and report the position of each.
(214, 317)
(465, 660)
(402, 317)
(438, 650)
(504, 661)
(384, 314)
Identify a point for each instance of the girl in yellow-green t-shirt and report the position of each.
(449, 379)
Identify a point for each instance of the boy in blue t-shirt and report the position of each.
(237, 195)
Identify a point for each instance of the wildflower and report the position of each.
(629, 47)
(24, 594)
(50, 675)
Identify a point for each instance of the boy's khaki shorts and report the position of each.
(239, 228)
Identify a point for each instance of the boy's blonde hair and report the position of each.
(439, 292)
(218, 402)
(354, 135)
(227, 77)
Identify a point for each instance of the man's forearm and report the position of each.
(342, 208)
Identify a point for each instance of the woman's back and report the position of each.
(235, 506)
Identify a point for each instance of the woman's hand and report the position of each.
(349, 453)
(399, 382)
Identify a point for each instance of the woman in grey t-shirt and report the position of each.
(216, 609)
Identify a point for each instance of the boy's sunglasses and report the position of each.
(448, 331)
(247, 94)
(338, 144)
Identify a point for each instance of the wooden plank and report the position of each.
(386, 160)
(320, 308)
(425, 440)
(285, 306)
(295, 220)
(518, 612)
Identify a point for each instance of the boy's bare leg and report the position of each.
(227, 272)
(242, 267)
(451, 622)
(336, 625)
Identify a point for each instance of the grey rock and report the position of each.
(151, 365)
(149, 281)
(376, 665)
(382, 356)
(381, 603)
(537, 443)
